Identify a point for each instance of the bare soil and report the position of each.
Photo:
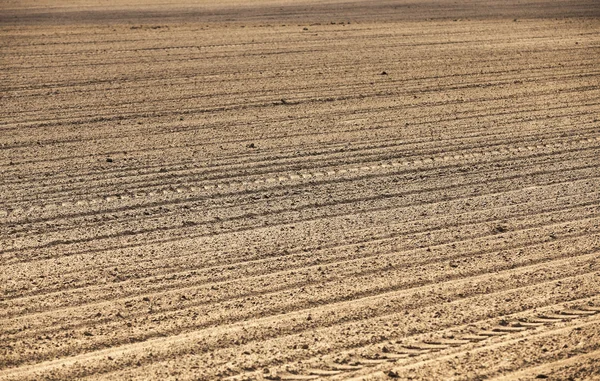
(297, 190)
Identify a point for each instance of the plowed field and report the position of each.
(299, 190)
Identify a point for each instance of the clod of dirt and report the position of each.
(499, 229)
(392, 374)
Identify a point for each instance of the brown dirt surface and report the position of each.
(298, 190)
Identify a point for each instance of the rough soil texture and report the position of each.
(295, 190)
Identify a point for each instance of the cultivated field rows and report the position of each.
(263, 199)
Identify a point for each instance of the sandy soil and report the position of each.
(295, 190)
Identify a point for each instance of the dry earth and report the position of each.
(300, 189)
